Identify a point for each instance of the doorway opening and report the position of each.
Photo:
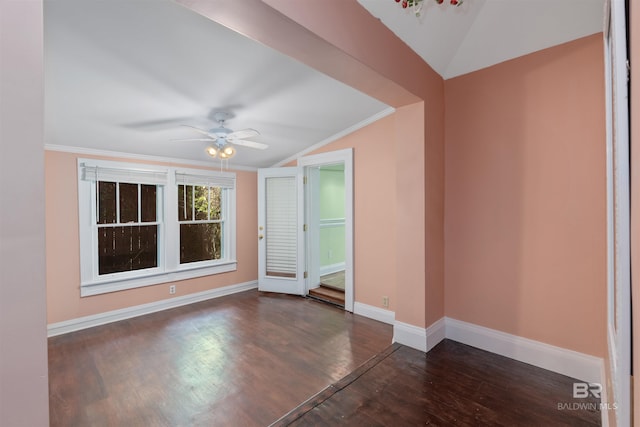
(326, 241)
(329, 218)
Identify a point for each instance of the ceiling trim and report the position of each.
(336, 136)
(144, 157)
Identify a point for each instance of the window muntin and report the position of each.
(126, 227)
(201, 222)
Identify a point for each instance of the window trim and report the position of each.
(169, 268)
(223, 220)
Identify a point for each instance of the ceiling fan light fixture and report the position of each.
(223, 139)
(227, 152)
(212, 151)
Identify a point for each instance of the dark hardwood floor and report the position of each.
(241, 360)
(453, 384)
(254, 359)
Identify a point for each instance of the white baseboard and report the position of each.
(556, 359)
(436, 332)
(375, 313)
(333, 268)
(409, 335)
(60, 328)
(423, 339)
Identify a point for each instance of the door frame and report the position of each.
(618, 210)
(344, 156)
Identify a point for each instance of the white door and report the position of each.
(281, 259)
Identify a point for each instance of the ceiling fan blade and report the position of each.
(244, 133)
(250, 144)
(202, 131)
(193, 139)
(157, 125)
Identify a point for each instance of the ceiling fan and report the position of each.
(223, 139)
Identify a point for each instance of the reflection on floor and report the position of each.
(331, 288)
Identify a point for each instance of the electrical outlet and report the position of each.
(330, 254)
(385, 302)
(172, 289)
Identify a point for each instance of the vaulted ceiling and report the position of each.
(457, 40)
(123, 75)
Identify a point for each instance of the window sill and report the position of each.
(106, 286)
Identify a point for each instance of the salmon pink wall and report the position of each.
(434, 178)
(410, 240)
(374, 214)
(525, 207)
(63, 256)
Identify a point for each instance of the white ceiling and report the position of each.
(122, 75)
(481, 33)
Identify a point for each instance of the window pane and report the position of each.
(181, 203)
(185, 204)
(148, 200)
(201, 200)
(128, 203)
(106, 202)
(127, 248)
(215, 197)
(200, 242)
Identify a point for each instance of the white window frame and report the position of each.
(168, 267)
(124, 275)
(227, 215)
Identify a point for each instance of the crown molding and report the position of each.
(121, 155)
(336, 136)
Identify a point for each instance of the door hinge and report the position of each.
(304, 227)
(304, 179)
(306, 274)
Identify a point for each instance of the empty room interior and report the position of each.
(322, 212)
